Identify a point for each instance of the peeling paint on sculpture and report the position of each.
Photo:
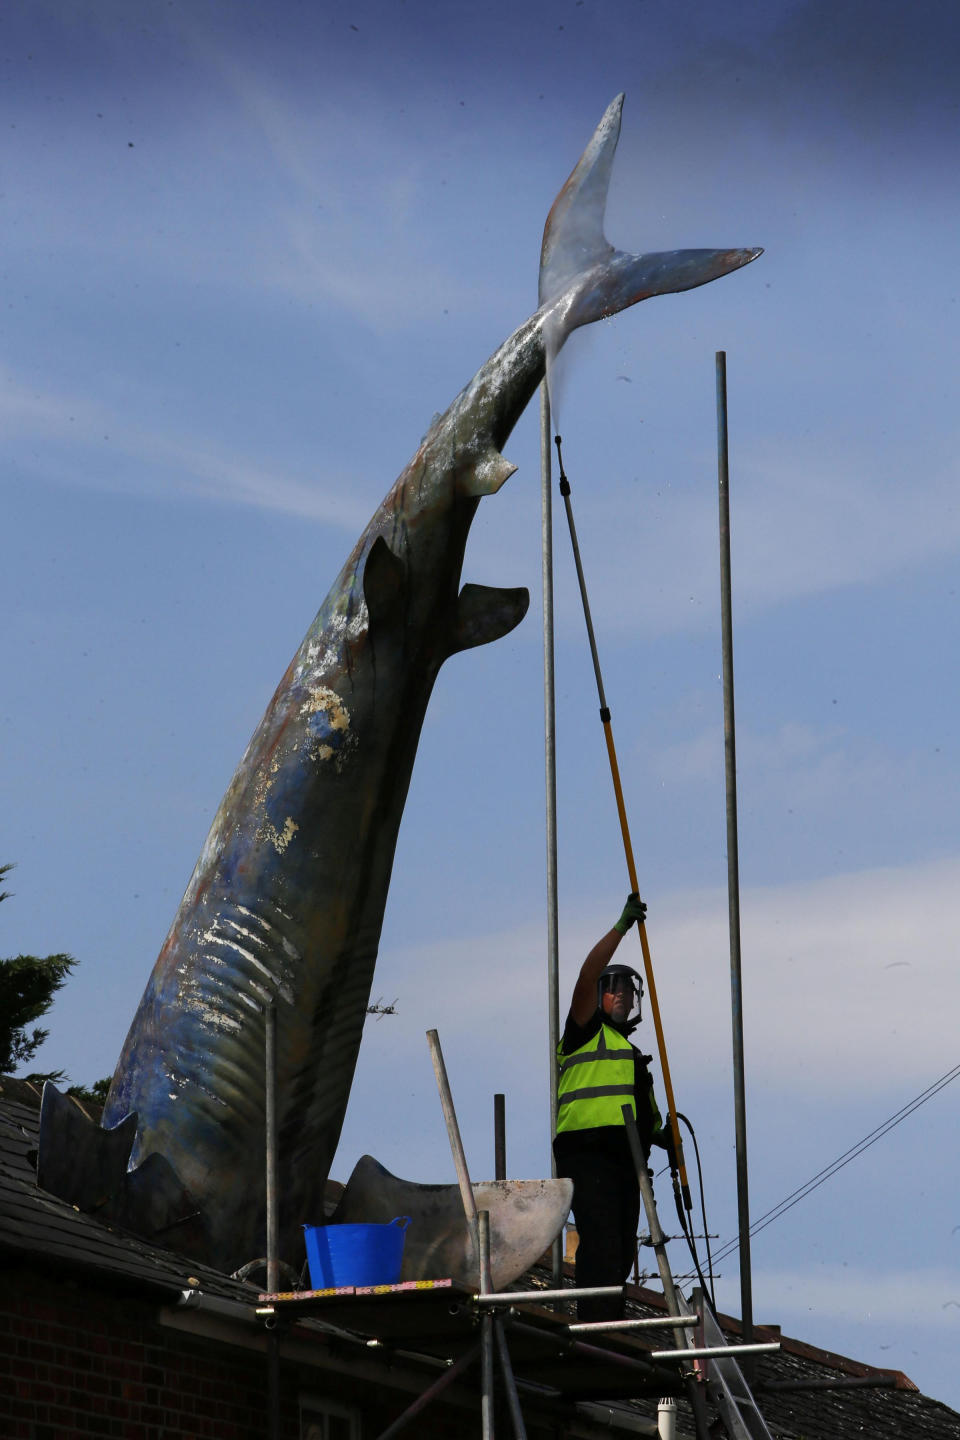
(287, 899)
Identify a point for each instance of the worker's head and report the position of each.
(619, 991)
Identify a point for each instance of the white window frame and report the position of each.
(316, 1409)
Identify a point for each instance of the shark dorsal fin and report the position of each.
(384, 581)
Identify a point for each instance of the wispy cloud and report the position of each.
(801, 527)
(354, 238)
(827, 762)
(808, 524)
(838, 974)
(71, 439)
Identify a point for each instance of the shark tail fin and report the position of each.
(573, 238)
(582, 277)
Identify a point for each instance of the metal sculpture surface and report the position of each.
(287, 898)
(526, 1216)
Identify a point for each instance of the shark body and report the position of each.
(287, 898)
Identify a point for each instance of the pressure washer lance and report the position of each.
(678, 1167)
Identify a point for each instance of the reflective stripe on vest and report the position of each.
(595, 1082)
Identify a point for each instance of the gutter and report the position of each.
(312, 1343)
(220, 1319)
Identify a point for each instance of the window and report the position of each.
(322, 1419)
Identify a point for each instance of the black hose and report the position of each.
(703, 1212)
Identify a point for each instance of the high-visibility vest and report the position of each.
(595, 1082)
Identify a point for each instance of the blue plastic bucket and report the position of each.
(340, 1255)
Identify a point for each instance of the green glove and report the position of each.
(633, 910)
(664, 1138)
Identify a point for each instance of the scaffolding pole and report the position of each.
(550, 775)
(733, 865)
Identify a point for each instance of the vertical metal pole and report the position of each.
(550, 768)
(509, 1380)
(273, 1383)
(273, 1267)
(733, 867)
(270, 1100)
(486, 1329)
(499, 1138)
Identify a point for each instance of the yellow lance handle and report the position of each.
(681, 1168)
(648, 967)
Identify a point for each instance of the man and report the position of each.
(600, 1071)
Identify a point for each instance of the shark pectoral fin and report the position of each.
(525, 1217)
(76, 1160)
(486, 477)
(384, 581)
(485, 613)
(154, 1203)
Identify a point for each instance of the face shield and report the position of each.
(626, 988)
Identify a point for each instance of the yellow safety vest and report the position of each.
(595, 1082)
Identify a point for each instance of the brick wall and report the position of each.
(79, 1361)
(75, 1362)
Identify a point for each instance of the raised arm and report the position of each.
(584, 1000)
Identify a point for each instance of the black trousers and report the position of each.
(606, 1207)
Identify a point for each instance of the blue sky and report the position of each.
(248, 254)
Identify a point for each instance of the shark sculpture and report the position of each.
(287, 899)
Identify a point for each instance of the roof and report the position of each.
(805, 1393)
(41, 1227)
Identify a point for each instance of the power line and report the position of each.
(830, 1170)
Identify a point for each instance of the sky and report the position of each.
(248, 254)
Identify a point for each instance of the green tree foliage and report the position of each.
(28, 984)
(95, 1093)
